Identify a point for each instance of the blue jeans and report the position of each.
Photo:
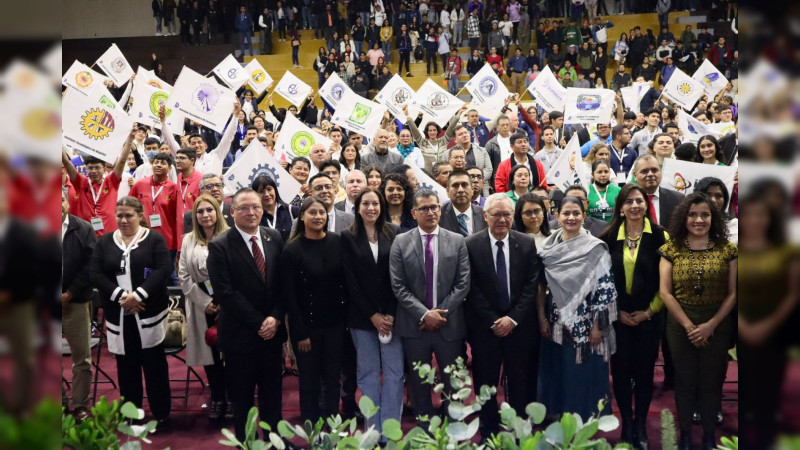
(387, 51)
(295, 49)
(305, 21)
(364, 18)
(473, 44)
(246, 38)
(372, 356)
(158, 24)
(359, 47)
(452, 85)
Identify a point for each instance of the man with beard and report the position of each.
(381, 156)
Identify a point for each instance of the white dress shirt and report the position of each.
(655, 201)
(468, 213)
(507, 254)
(64, 226)
(246, 236)
(332, 220)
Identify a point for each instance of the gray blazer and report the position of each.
(482, 161)
(407, 272)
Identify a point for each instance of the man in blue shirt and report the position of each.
(244, 25)
(603, 135)
(478, 132)
(517, 66)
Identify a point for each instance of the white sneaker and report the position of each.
(158, 34)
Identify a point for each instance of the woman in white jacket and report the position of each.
(201, 311)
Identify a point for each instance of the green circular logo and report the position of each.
(156, 100)
(301, 143)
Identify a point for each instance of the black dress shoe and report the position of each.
(627, 431)
(696, 418)
(80, 414)
(709, 442)
(164, 425)
(216, 411)
(685, 441)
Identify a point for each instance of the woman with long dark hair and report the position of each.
(350, 159)
(365, 247)
(698, 275)
(277, 214)
(374, 176)
(633, 241)
(313, 288)
(530, 217)
(399, 195)
(709, 151)
(717, 192)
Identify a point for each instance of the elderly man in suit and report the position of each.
(594, 226)
(502, 327)
(210, 184)
(461, 215)
(243, 268)
(648, 175)
(429, 269)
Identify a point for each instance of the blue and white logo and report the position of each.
(337, 91)
(487, 86)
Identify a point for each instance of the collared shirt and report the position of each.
(64, 226)
(246, 236)
(506, 254)
(190, 188)
(479, 201)
(435, 247)
(629, 263)
(349, 207)
(332, 220)
(656, 202)
(641, 138)
(467, 213)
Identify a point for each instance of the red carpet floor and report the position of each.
(191, 430)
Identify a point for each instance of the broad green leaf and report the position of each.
(457, 410)
(366, 406)
(285, 430)
(608, 423)
(130, 411)
(276, 441)
(521, 427)
(554, 434)
(369, 439)
(438, 388)
(300, 431)
(228, 443)
(392, 430)
(231, 437)
(435, 421)
(536, 411)
(569, 426)
(587, 432)
(131, 445)
(259, 445)
(507, 415)
(464, 393)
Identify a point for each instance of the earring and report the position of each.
(622, 214)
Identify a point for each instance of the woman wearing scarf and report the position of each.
(576, 316)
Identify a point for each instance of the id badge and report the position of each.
(155, 220)
(97, 224)
(602, 205)
(620, 178)
(241, 142)
(208, 287)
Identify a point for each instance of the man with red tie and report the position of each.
(662, 201)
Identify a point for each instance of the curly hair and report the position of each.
(678, 231)
(408, 201)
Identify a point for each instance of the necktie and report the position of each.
(652, 209)
(429, 271)
(258, 256)
(502, 277)
(462, 225)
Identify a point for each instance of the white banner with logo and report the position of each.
(692, 129)
(632, 95)
(682, 90)
(296, 139)
(202, 99)
(426, 182)
(259, 78)
(435, 102)
(569, 168)
(94, 128)
(394, 95)
(488, 92)
(115, 65)
(256, 161)
(712, 79)
(82, 78)
(294, 90)
(334, 90)
(587, 106)
(231, 72)
(682, 176)
(357, 114)
(547, 92)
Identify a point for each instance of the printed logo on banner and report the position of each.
(685, 88)
(105, 101)
(587, 102)
(118, 64)
(232, 72)
(258, 76)
(401, 95)
(487, 86)
(360, 113)
(337, 91)
(41, 123)
(156, 100)
(83, 79)
(97, 123)
(205, 98)
(301, 143)
(292, 89)
(710, 78)
(155, 83)
(679, 183)
(438, 101)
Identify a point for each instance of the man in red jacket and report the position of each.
(719, 54)
(520, 147)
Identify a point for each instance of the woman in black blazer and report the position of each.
(277, 214)
(366, 246)
(130, 268)
(633, 241)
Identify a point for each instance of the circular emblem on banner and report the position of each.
(156, 100)
(232, 73)
(258, 76)
(155, 83)
(292, 89)
(263, 169)
(438, 101)
(337, 91)
(487, 86)
(206, 97)
(301, 143)
(118, 64)
(685, 88)
(588, 102)
(83, 79)
(97, 123)
(400, 95)
(41, 123)
(360, 114)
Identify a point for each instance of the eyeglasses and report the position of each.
(530, 213)
(476, 176)
(255, 208)
(498, 216)
(213, 186)
(428, 209)
(323, 187)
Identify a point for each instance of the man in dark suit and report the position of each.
(321, 186)
(461, 215)
(429, 268)
(354, 182)
(502, 325)
(648, 175)
(594, 226)
(77, 242)
(243, 267)
(211, 185)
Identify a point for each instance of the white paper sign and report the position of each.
(435, 102)
(334, 90)
(231, 72)
(682, 176)
(296, 139)
(94, 128)
(202, 99)
(569, 168)
(488, 91)
(547, 92)
(682, 90)
(115, 65)
(426, 182)
(394, 95)
(711, 78)
(632, 95)
(255, 161)
(259, 78)
(588, 105)
(692, 129)
(357, 114)
(81, 78)
(292, 89)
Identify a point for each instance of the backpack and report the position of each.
(418, 54)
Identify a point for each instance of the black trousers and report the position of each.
(246, 371)
(349, 378)
(185, 36)
(430, 55)
(518, 354)
(216, 372)
(421, 349)
(632, 367)
(405, 57)
(319, 372)
(153, 362)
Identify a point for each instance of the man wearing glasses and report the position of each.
(477, 178)
(210, 184)
(429, 269)
(603, 135)
(322, 186)
(474, 154)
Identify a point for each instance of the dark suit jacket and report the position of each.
(449, 221)
(729, 147)
(483, 302)
(667, 202)
(226, 213)
(369, 287)
(19, 261)
(594, 226)
(77, 248)
(245, 298)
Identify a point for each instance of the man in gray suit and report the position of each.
(594, 226)
(460, 215)
(429, 268)
(321, 186)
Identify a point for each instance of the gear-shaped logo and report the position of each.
(263, 169)
(97, 123)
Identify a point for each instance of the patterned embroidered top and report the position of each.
(715, 272)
